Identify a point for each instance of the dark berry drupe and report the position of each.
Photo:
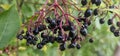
(83, 31)
(116, 33)
(41, 27)
(118, 24)
(112, 28)
(78, 46)
(110, 21)
(62, 47)
(101, 21)
(53, 23)
(20, 36)
(91, 40)
(72, 34)
(83, 2)
(88, 13)
(93, 1)
(95, 12)
(48, 20)
(72, 45)
(36, 31)
(97, 2)
(59, 39)
(39, 46)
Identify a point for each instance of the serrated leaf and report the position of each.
(9, 26)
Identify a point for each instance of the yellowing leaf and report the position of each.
(5, 6)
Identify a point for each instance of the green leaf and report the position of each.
(9, 26)
(27, 10)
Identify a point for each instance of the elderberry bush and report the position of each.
(53, 24)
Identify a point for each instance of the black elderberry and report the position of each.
(101, 21)
(112, 28)
(39, 46)
(20, 36)
(93, 1)
(84, 2)
(72, 45)
(65, 27)
(110, 21)
(44, 41)
(53, 24)
(85, 24)
(62, 47)
(91, 40)
(88, 13)
(27, 33)
(58, 21)
(48, 20)
(118, 24)
(51, 39)
(83, 31)
(78, 46)
(35, 31)
(41, 27)
(95, 12)
(72, 34)
(116, 33)
(59, 39)
(97, 2)
(43, 35)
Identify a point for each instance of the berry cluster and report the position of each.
(60, 28)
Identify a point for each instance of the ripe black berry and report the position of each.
(72, 45)
(110, 21)
(97, 2)
(39, 46)
(65, 27)
(48, 20)
(62, 47)
(88, 13)
(20, 36)
(95, 12)
(41, 27)
(101, 21)
(83, 31)
(91, 40)
(112, 28)
(59, 39)
(78, 46)
(118, 24)
(93, 1)
(116, 33)
(84, 2)
(72, 34)
(35, 31)
(53, 23)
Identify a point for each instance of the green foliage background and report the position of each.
(11, 19)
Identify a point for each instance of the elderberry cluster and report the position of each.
(68, 33)
(58, 34)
